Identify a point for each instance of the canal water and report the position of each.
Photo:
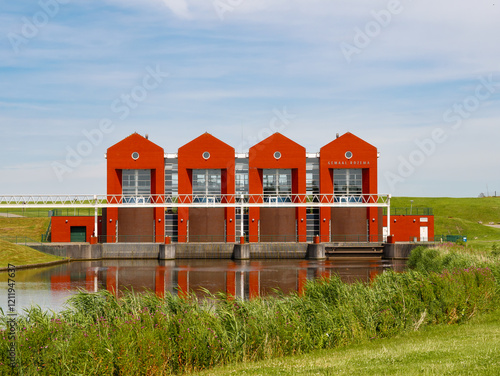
(49, 287)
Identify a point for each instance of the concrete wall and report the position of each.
(278, 250)
(401, 250)
(204, 250)
(76, 251)
(83, 251)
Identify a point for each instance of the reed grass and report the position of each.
(142, 334)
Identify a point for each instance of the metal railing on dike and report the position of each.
(20, 240)
(44, 213)
(25, 213)
(410, 211)
(450, 238)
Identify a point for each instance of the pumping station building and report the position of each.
(277, 192)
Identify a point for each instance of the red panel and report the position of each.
(261, 156)
(332, 156)
(119, 157)
(61, 227)
(190, 157)
(406, 228)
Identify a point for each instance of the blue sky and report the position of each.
(419, 80)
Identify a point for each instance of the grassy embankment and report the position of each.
(18, 255)
(461, 216)
(22, 229)
(30, 228)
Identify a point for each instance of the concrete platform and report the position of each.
(159, 251)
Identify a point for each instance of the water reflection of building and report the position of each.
(277, 171)
(242, 279)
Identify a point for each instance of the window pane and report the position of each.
(136, 182)
(277, 181)
(348, 181)
(207, 182)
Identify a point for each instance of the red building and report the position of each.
(286, 194)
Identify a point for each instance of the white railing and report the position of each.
(194, 200)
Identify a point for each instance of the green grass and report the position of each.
(31, 228)
(21, 255)
(472, 348)
(460, 216)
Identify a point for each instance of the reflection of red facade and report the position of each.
(60, 282)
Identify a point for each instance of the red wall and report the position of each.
(405, 228)
(332, 156)
(61, 231)
(119, 157)
(190, 157)
(261, 156)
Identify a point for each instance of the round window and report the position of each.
(348, 154)
(135, 155)
(277, 155)
(206, 155)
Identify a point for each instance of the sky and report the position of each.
(419, 80)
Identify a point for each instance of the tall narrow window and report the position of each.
(171, 177)
(241, 176)
(312, 176)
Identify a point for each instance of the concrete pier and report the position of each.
(241, 252)
(316, 251)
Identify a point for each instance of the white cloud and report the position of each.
(179, 8)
